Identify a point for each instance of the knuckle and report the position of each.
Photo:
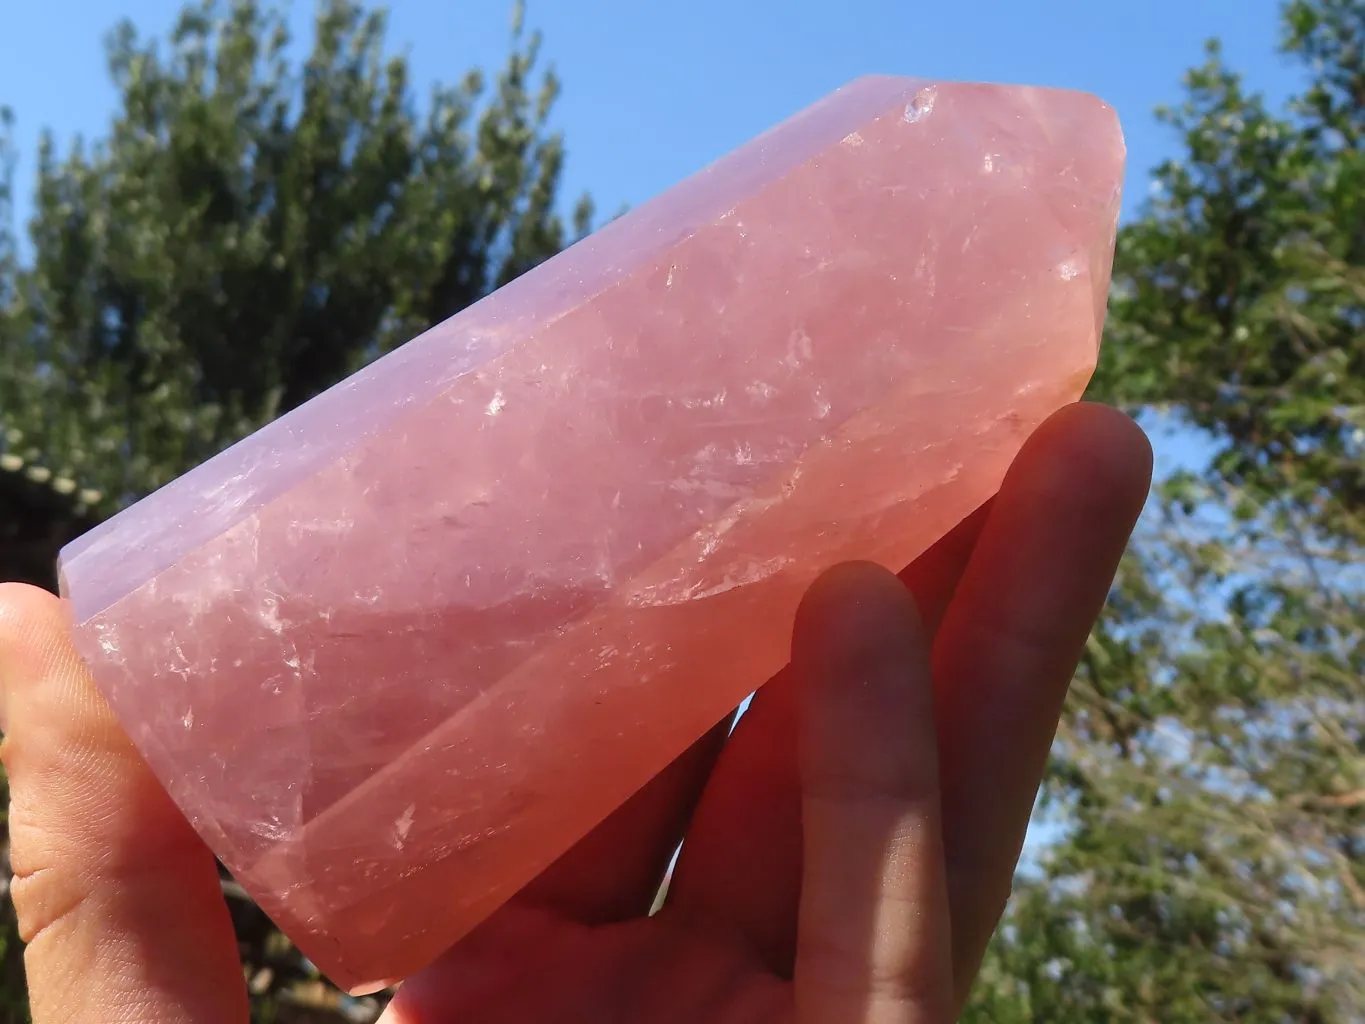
(43, 898)
(47, 886)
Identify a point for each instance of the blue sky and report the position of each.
(654, 91)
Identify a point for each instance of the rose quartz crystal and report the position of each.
(398, 650)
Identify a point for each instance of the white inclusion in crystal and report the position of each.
(273, 828)
(853, 139)
(921, 106)
(233, 492)
(754, 572)
(332, 526)
(709, 543)
(822, 406)
(988, 163)
(799, 348)
(270, 615)
(496, 404)
(403, 826)
(760, 391)
(718, 399)
(1068, 270)
(183, 668)
(188, 719)
(668, 282)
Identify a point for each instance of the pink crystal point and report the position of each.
(398, 650)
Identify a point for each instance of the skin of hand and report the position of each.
(849, 848)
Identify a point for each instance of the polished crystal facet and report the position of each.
(398, 650)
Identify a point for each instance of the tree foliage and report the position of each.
(262, 218)
(1211, 766)
(253, 228)
(263, 215)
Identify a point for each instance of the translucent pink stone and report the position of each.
(397, 651)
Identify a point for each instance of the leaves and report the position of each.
(252, 228)
(249, 232)
(1213, 753)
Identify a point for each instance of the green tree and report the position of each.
(250, 231)
(254, 225)
(1211, 766)
(11, 321)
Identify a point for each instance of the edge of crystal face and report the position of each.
(186, 513)
(187, 781)
(219, 493)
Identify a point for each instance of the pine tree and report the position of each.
(251, 229)
(1211, 767)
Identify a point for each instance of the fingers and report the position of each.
(1008, 646)
(116, 897)
(874, 939)
(1057, 528)
(740, 867)
(615, 872)
(741, 864)
(934, 577)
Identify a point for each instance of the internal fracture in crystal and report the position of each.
(397, 651)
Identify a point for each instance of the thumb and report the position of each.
(116, 897)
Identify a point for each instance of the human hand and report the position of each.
(849, 849)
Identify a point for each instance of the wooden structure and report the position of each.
(39, 512)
